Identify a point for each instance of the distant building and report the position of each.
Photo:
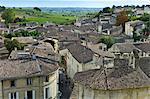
(112, 30)
(147, 9)
(107, 18)
(3, 28)
(144, 49)
(139, 12)
(133, 26)
(124, 51)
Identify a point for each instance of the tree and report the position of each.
(122, 18)
(17, 19)
(10, 35)
(12, 44)
(108, 40)
(37, 9)
(146, 30)
(107, 10)
(113, 7)
(136, 37)
(8, 15)
(2, 8)
(145, 17)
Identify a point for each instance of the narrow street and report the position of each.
(65, 86)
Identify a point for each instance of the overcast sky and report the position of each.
(70, 3)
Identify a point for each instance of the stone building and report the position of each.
(79, 58)
(120, 82)
(122, 50)
(133, 26)
(28, 79)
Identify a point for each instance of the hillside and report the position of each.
(31, 15)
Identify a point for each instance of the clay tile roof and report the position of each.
(137, 23)
(113, 78)
(13, 69)
(125, 47)
(80, 53)
(25, 40)
(24, 68)
(145, 47)
(95, 49)
(106, 26)
(144, 64)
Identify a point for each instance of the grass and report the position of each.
(54, 19)
(42, 17)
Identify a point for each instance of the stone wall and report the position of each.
(87, 93)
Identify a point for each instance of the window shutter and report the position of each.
(26, 95)
(44, 94)
(17, 94)
(33, 94)
(9, 95)
(49, 93)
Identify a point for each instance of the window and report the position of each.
(100, 47)
(13, 95)
(12, 83)
(29, 95)
(29, 81)
(62, 59)
(47, 79)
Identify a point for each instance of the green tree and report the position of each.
(2, 8)
(108, 40)
(145, 17)
(107, 10)
(136, 37)
(10, 35)
(146, 30)
(8, 15)
(37, 9)
(12, 44)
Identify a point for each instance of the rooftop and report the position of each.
(125, 47)
(24, 68)
(113, 78)
(145, 47)
(80, 53)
